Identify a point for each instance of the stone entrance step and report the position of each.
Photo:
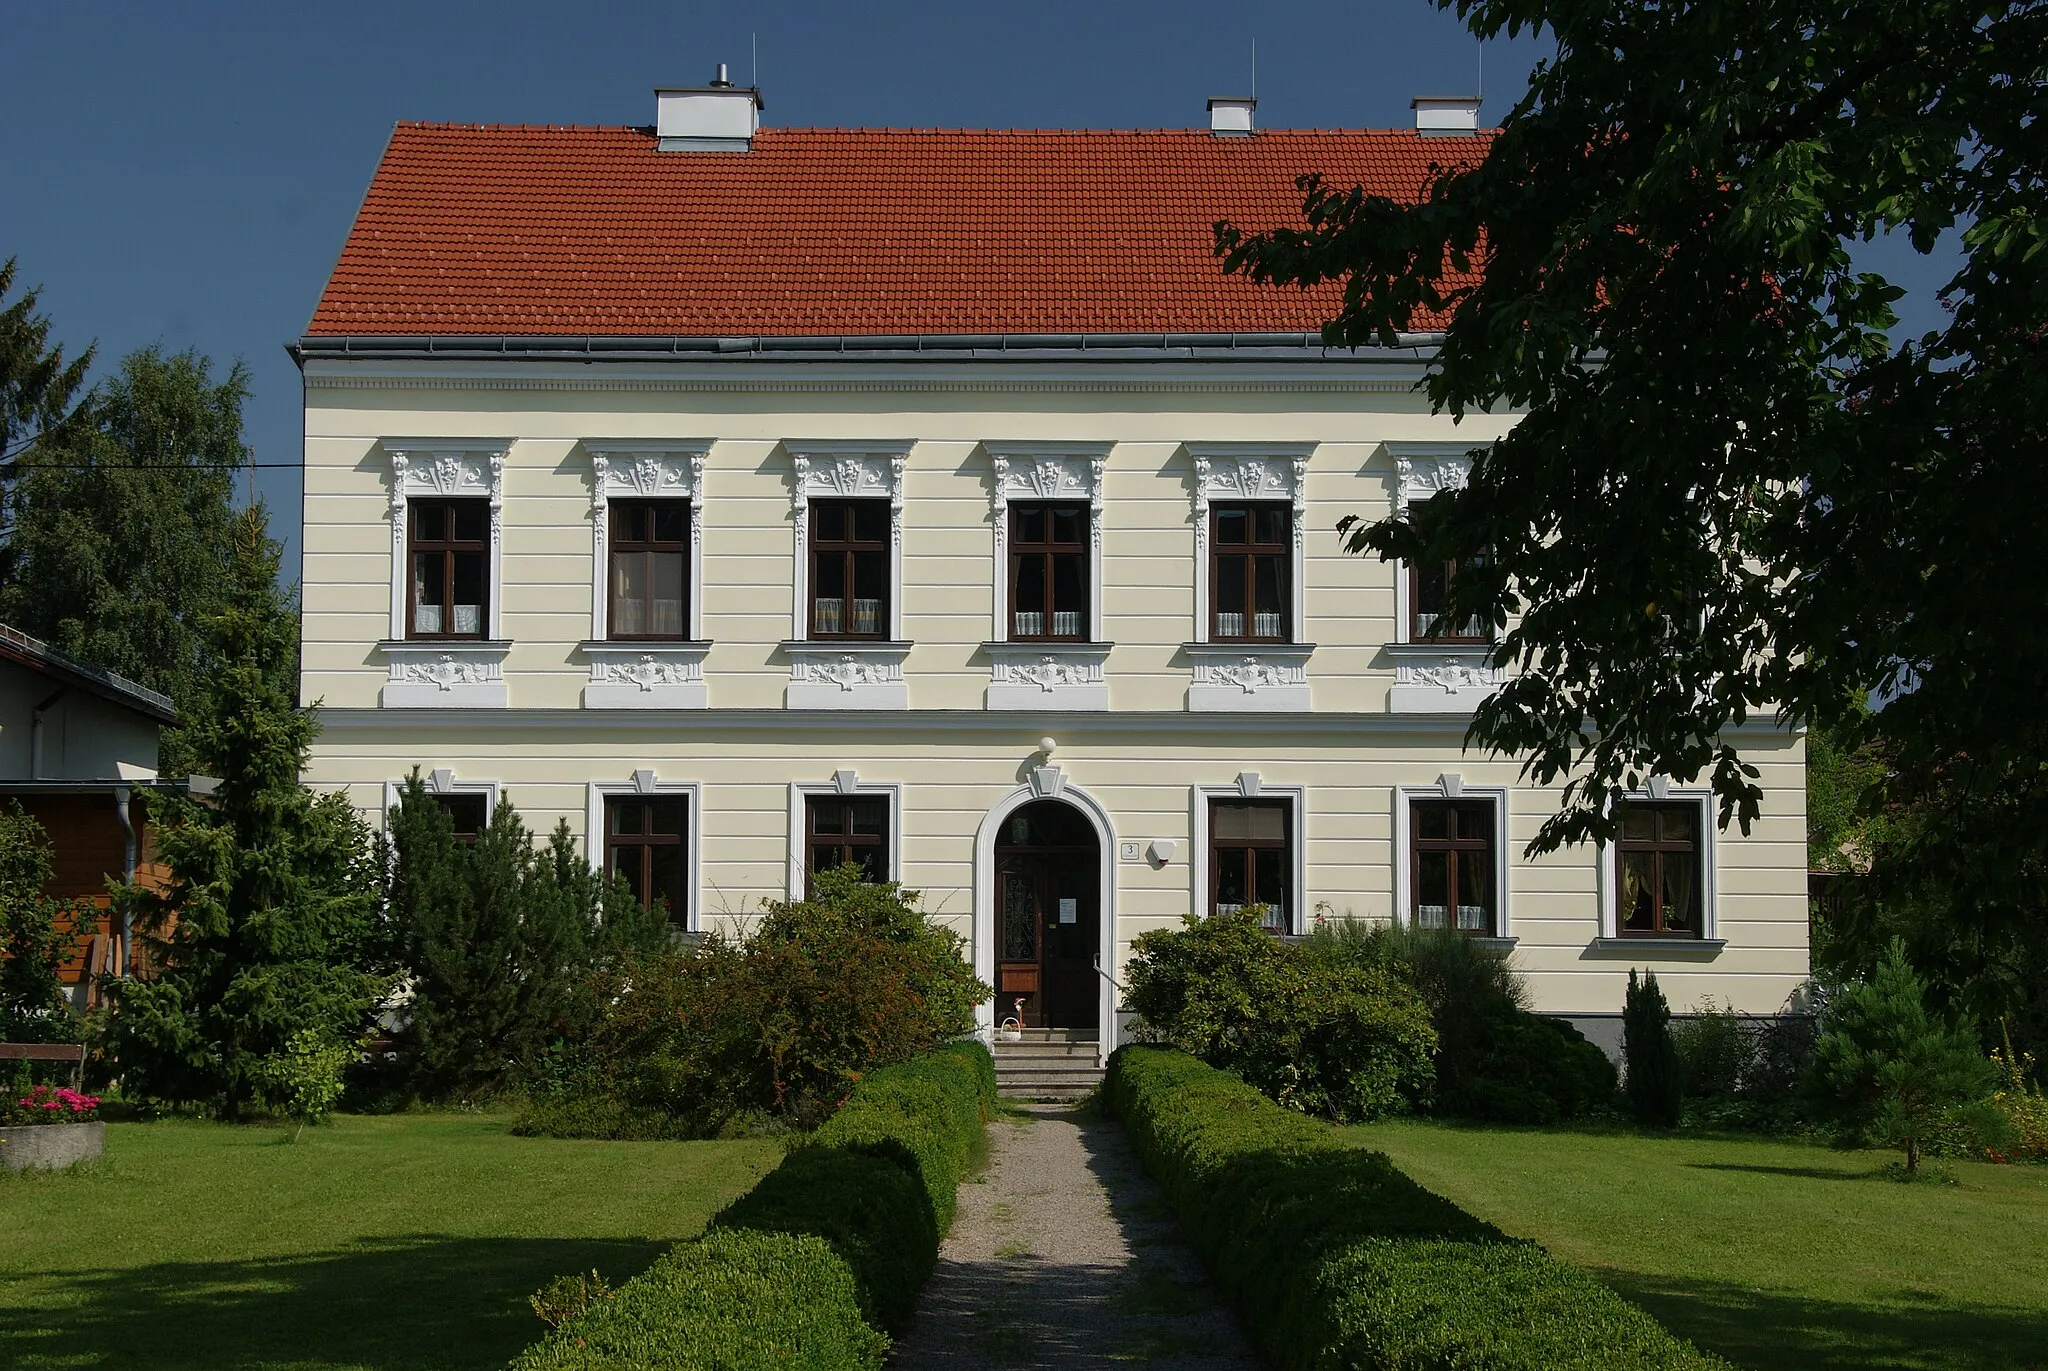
(1047, 1064)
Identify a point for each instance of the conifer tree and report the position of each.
(37, 387)
(1889, 1067)
(497, 941)
(1654, 1089)
(266, 926)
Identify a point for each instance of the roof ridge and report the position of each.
(780, 130)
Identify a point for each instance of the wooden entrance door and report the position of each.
(1048, 918)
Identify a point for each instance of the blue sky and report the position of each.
(186, 174)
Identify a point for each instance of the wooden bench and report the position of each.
(48, 1052)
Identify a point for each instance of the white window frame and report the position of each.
(1659, 791)
(844, 782)
(1053, 673)
(442, 781)
(855, 469)
(1257, 473)
(1249, 786)
(644, 673)
(1450, 786)
(447, 468)
(1046, 473)
(643, 784)
(444, 673)
(644, 469)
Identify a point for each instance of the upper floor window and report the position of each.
(647, 842)
(1453, 865)
(448, 548)
(1048, 571)
(1251, 553)
(1659, 870)
(849, 568)
(846, 828)
(649, 573)
(1251, 856)
(1429, 588)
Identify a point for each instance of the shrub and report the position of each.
(729, 1300)
(1333, 1259)
(1654, 1084)
(1319, 1034)
(303, 1082)
(828, 1250)
(1738, 1071)
(1888, 1068)
(1494, 1059)
(824, 992)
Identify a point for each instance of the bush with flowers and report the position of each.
(48, 1104)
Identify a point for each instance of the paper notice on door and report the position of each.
(1070, 911)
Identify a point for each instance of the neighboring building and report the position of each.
(760, 498)
(78, 752)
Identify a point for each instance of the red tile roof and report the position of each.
(480, 230)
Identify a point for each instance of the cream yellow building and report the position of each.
(757, 499)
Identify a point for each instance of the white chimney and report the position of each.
(1230, 116)
(720, 117)
(1446, 116)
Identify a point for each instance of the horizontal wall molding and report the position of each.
(715, 723)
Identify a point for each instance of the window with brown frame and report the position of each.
(650, 569)
(1429, 588)
(846, 828)
(647, 842)
(468, 813)
(850, 569)
(1658, 872)
(1452, 871)
(448, 545)
(1048, 572)
(1251, 858)
(1251, 559)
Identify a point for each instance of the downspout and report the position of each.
(35, 732)
(121, 797)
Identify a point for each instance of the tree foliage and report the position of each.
(38, 934)
(1890, 1068)
(1729, 491)
(37, 384)
(497, 942)
(124, 531)
(266, 926)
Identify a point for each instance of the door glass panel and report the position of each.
(1231, 891)
(1269, 866)
(1069, 596)
(669, 517)
(869, 817)
(469, 521)
(469, 592)
(870, 521)
(1020, 919)
(1678, 823)
(1638, 824)
(1030, 602)
(870, 585)
(626, 862)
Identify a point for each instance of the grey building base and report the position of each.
(51, 1146)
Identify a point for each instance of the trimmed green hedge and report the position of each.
(1335, 1259)
(810, 1266)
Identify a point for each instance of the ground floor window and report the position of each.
(846, 828)
(1659, 874)
(1251, 858)
(468, 813)
(647, 842)
(1452, 866)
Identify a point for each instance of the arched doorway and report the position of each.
(1048, 917)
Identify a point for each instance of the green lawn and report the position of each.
(408, 1242)
(1775, 1255)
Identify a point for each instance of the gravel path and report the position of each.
(1064, 1255)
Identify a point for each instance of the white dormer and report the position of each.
(1446, 116)
(720, 117)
